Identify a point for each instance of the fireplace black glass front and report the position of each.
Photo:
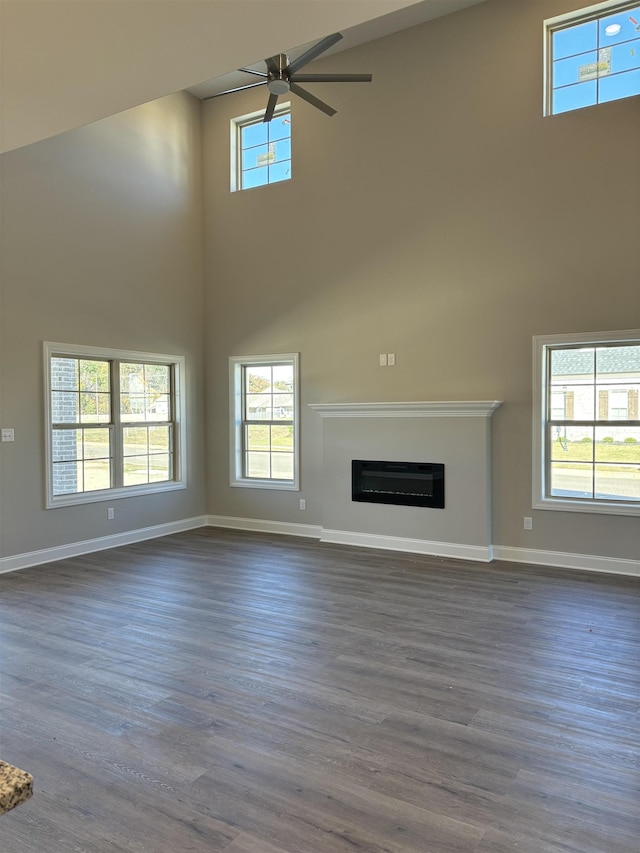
(403, 483)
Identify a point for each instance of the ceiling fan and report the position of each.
(282, 77)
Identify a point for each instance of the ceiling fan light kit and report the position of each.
(281, 78)
(278, 85)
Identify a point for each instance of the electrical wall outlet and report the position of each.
(303, 503)
(7, 435)
(528, 523)
(111, 513)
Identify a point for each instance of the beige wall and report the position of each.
(101, 245)
(439, 216)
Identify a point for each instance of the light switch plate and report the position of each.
(7, 435)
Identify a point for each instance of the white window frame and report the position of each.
(51, 349)
(236, 406)
(542, 345)
(565, 21)
(236, 143)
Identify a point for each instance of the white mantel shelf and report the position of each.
(440, 409)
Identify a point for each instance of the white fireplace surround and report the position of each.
(456, 433)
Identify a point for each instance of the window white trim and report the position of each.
(236, 365)
(180, 420)
(541, 346)
(235, 142)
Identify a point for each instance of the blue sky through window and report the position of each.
(596, 61)
(265, 152)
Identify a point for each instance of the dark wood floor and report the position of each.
(222, 691)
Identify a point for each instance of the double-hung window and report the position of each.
(264, 421)
(587, 423)
(592, 56)
(115, 423)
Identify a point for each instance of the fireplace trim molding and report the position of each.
(424, 409)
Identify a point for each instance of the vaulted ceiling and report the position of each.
(67, 63)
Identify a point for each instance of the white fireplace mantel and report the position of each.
(439, 409)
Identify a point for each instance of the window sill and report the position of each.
(281, 485)
(105, 495)
(601, 507)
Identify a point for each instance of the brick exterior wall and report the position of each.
(64, 409)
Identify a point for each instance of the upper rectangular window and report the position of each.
(264, 421)
(115, 423)
(261, 151)
(587, 423)
(592, 56)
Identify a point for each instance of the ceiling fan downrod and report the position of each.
(278, 81)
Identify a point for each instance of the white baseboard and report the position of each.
(554, 559)
(362, 540)
(564, 560)
(414, 546)
(286, 528)
(75, 549)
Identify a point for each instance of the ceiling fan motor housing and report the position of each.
(278, 85)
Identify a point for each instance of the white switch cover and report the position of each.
(383, 359)
(391, 359)
(7, 435)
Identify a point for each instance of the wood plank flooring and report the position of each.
(248, 693)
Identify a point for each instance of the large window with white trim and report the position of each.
(115, 423)
(264, 421)
(592, 56)
(587, 422)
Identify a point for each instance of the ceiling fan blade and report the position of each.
(271, 105)
(251, 71)
(272, 64)
(237, 89)
(311, 99)
(332, 78)
(313, 52)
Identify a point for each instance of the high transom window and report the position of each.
(261, 151)
(593, 56)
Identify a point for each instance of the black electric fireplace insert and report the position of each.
(403, 483)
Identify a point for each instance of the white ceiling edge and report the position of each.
(401, 19)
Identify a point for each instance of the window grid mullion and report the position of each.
(117, 474)
(608, 76)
